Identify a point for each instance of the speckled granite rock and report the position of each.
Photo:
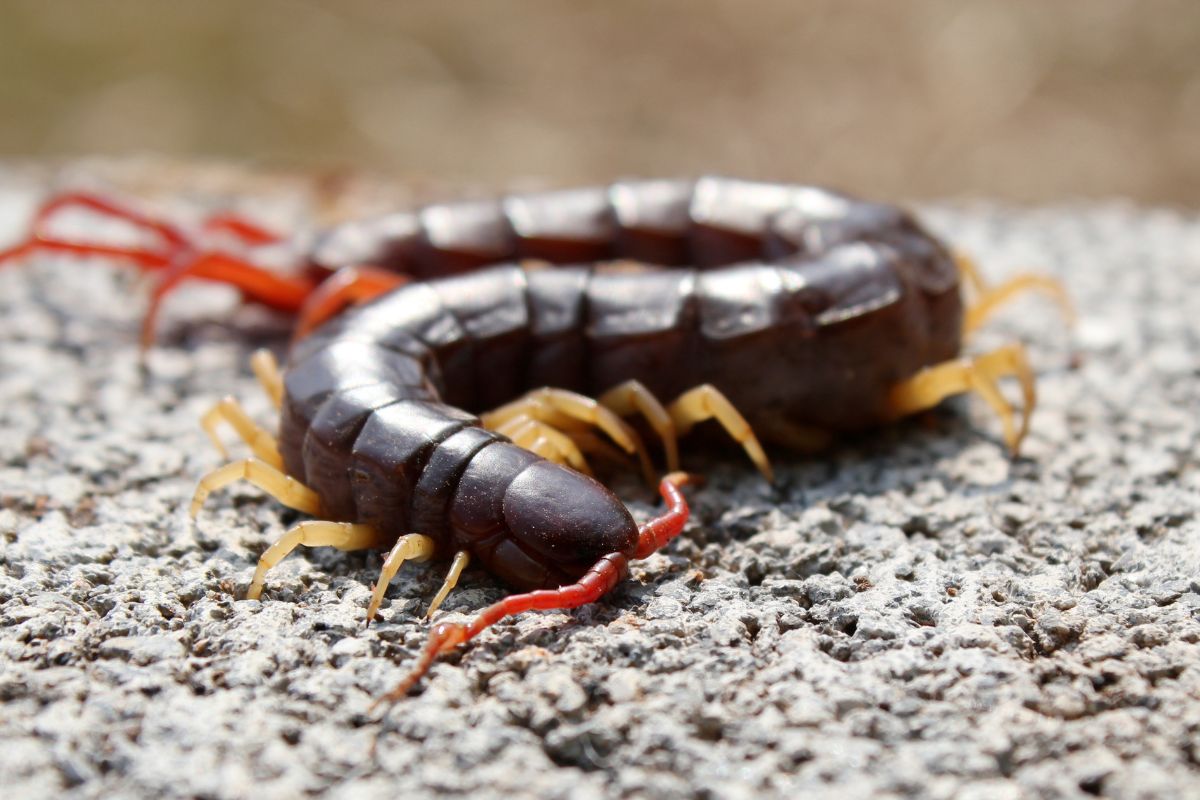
(913, 615)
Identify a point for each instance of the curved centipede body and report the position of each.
(788, 314)
(840, 298)
(371, 415)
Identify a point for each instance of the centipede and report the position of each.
(456, 369)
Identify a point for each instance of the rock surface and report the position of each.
(912, 615)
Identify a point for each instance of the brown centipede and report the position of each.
(788, 314)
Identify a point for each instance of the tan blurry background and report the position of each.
(1031, 101)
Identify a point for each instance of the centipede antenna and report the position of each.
(595, 583)
(655, 534)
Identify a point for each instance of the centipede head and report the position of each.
(557, 523)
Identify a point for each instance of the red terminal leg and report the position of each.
(175, 248)
(271, 289)
(344, 287)
(173, 240)
(239, 227)
(170, 234)
(596, 582)
(145, 259)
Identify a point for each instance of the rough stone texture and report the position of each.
(912, 615)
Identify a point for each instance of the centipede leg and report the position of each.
(230, 411)
(591, 444)
(544, 440)
(461, 559)
(345, 287)
(145, 259)
(342, 535)
(40, 239)
(244, 230)
(707, 402)
(241, 228)
(969, 271)
(284, 488)
(266, 369)
(567, 445)
(989, 299)
(632, 397)
(262, 286)
(979, 375)
(169, 233)
(606, 573)
(413, 547)
(552, 406)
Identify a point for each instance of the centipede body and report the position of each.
(790, 314)
(802, 306)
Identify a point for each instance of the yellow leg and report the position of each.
(548, 405)
(413, 547)
(706, 402)
(342, 535)
(546, 441)
(633, 397)
(591, 444)
(461, 559)
(542, 413)
(979, 374)
(796, 437)
(266, 369)
(988, 299)
(970, 272)
(229, 410)
(283, 488)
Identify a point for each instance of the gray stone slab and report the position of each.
(911, 615)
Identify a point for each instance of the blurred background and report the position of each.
(1024, 101)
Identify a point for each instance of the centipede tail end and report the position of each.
(281, 292)
(41, 239)
(347, 286)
